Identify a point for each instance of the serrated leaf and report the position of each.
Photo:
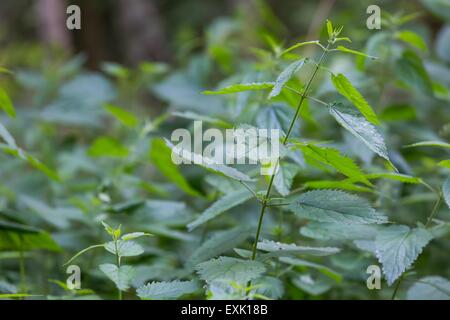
(394, 176)
(290, 248)
(108, 147)
(338, 231)
(219, 244)
(235, 88)
(284, 177)
(120, 276)
(398, 246)
(277, 116)
(360, 128)
(229, 270)
(429, 288)
(225, 203)
(333, 184)
(410, 70)
(6, 104)
(345, 88)
(335, 159)
(160, 155)
(446, 191)
(208, 163)
(334, 206)
(125, 117)
(285, 76)
(124, 248)
(167, 290)
(134, 235)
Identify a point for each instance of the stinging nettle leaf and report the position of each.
(344, 87)
(410, 70)
(338, 231)
(121, 276)
(360, 128)
(429, 288)
(230, 270)
(347, 50)
(398, 246)
(281, 249)
(285, 76)
(334, 206)
(167, 290)
(6, 104)
(446, 191)
(284, 177)
(124, 248)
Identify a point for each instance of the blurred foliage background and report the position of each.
(93, 103)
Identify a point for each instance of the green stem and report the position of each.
(118, 266)
(286, 138)
(397, 286)
(435, 210)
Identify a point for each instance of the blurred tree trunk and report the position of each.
(52, 23)
(143, 31)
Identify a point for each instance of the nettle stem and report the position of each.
(118, 265)
(265, 200)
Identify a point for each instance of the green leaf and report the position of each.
(235, 88)
(429, 288)
(5, 135)
(439, 144)
(108, 147)
(284, 177)
(218, 244)
(167, 290)
(220, 206)
(120, 276)
(17, 237)
(6, 104)
(344, 87)
(321, 268)
(360, 128)
(134, 235)
(394, 176)
(298, 45)
(334, 206)
(412, 38)
(446, 191)
(285, 76)
(125, 117)
(444, 163)
(338, 231)
(161, 156)
(333, 184)
(277, 116)
(230, 270)
(208, 163)
(329, 28)
(346, 50)
(124, 248)
(398, 246)
(410, 70)
(335, 159)
(281, 249)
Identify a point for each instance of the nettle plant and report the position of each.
(327, 213)
(120, 246)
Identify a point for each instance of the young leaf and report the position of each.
(287, 249)
(429, 288)
(134, 235)
(223, 204)
(361, 129)
(321, 268)
(329, 28)
(124, 248)
(344, 87)
(208, 163)
(284, 177)
(398, 246)
(235, 88)
(230, 270)
(446, 191)
(160, 155)
(335, 159)
(298, 45)
(334, 206)
(125, 117)
(439, 144)
(167, 290)
(346, 50)
(218, 244)
(120, 276)
(394, 176)
(6, 104)
(285, 76)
